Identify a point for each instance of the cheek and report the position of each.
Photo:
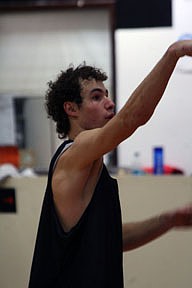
(95, 114)
(93, 118)
(93, 111)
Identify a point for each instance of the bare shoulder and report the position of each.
(93, 144)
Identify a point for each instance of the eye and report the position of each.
(96, 97)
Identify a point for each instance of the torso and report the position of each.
(90, 255)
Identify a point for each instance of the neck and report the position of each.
(73, 134)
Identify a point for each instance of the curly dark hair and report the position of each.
(67, 87)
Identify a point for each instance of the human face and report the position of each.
(97, 108)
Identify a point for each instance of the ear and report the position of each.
(70, 108)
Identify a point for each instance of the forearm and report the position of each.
(143, 101)
(140, 233)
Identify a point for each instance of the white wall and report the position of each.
(137, 52)
(35, 46)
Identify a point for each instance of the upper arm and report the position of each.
(90, 145)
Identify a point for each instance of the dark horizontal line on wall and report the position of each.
(11, 5)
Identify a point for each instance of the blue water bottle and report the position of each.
(158, 161)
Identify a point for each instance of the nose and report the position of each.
(109, 104)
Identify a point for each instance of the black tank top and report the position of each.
(90, 255)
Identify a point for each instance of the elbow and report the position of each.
(143, 118)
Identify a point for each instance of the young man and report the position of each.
(81, 237)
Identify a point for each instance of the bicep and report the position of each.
(91, 145)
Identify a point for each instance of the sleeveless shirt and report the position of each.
(90, 254)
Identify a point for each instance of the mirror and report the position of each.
(33, 131)
(24, 124)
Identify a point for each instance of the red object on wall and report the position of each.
(9, 155)
(167, 170)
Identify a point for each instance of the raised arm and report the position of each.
(142, 103)
(139, 107)
(139, 233)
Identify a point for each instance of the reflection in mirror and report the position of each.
(32, 132)
(26, 129)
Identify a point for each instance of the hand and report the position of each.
(181, 217)
(181, 48)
